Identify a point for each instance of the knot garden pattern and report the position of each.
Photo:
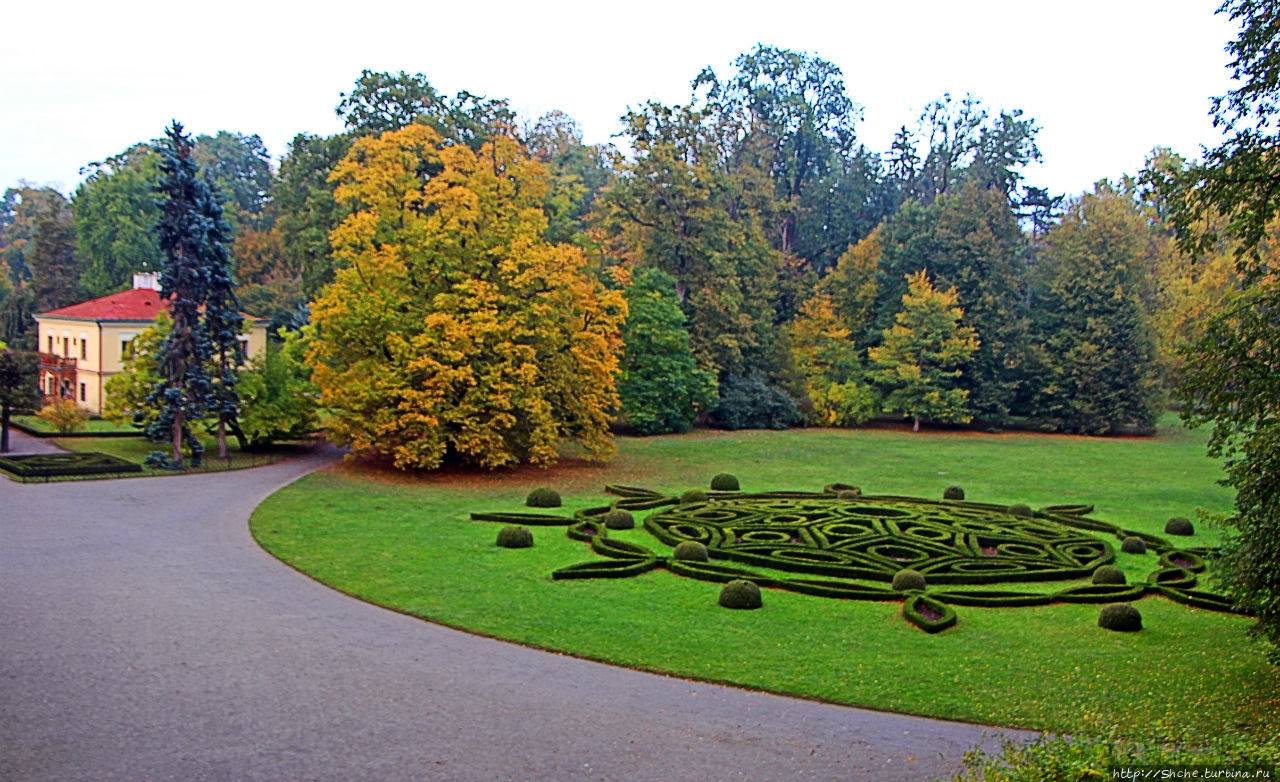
(844, 537)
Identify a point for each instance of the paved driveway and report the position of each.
(145, 636)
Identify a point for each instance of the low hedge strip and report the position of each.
(55, 465)
(531, 519)
(928, 614)
(608, 568)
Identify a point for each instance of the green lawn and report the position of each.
(135, 449)
(94, 425)
(406, 542)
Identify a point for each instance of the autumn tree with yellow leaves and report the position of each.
(453, 330)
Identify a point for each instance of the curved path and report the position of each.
(145, 636)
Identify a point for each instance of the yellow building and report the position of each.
(84, 344)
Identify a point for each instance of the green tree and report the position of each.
(1232, 382)
(1099, 371)
(660, 385)
(379, 102)
(917, 364)
(1230, 374)
(115, 219)
(55, 268)
(969, 240)
(222, 321)
(278, 399)
(307, 210)
(240, 167)
(19, 375)
(192, 242)
(128, 391)
(829, 362)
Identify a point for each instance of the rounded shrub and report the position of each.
(1109, 574)
(690, 551)
(692, 496)
(1120, 616)
(740, 594)
(618, 518)
(1020, 509)
(515, 536)
(725, 482)
(542, 497)
(1179, 526)
(907, 578)
(1133, 545)
(953, 493)
(848, 494)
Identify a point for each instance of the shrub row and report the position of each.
(52, 465)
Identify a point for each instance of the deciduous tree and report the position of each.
(453, 331)
(660, 386)
(19, 373)
(917, 364)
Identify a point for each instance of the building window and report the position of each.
(50, 350)
(84, 396)
(84, 351)
(244, 348)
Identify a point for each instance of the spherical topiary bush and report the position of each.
(953, 493)
(907, 579)
(1120, 616)
(690, 551)
(725, 482)
(1108, 574)
(619, 519)
(515, 536)
(692, 496)
(543, 497)
(1179, 526)
(1020, 509)
(1133, 545)
(740, 594)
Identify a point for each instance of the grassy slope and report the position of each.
(407, 543)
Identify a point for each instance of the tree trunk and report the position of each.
(222, 436)
(238, 433)
(177, 439)
(916, 426)
(4, 429)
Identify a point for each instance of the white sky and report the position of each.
(1107, 80)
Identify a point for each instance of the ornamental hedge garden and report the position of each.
(930, 555)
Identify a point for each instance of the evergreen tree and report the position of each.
(1099, 370)
(918, 362)
(222, 319)
(660, 385)
(19, 375)
(190, 239)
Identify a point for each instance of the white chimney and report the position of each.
(146, 280)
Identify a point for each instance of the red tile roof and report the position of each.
(136, 304)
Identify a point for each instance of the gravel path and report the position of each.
(22, 443)
(145, 636)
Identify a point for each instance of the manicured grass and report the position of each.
(136, 450)
(93, 426)
(406, 542)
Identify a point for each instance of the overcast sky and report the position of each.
(1106, 80)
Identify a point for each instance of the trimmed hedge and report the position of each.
(1179, 526)
(690, 551)
(1120, 617)
(617, 518)
(52, 465)
(906, 579)
(1133, 545)
(741, 594)
(725, 482)
(953, 493)
(512, 536)
(543, 497)
(692, 496)
(1109, 574)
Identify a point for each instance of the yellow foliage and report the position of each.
(453, 330)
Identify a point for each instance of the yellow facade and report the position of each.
(78, 355)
